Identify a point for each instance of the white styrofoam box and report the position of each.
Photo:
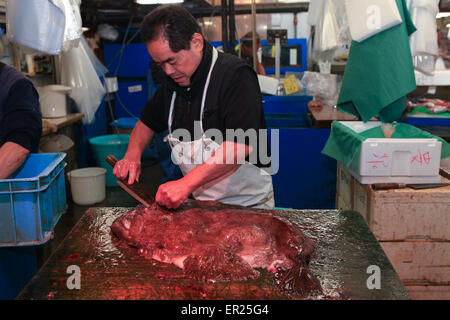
(400, 157)
(384, 160)
(268, 84)
(395, 179)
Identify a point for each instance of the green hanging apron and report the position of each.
(380, 73)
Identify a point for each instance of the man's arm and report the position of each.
(261, 69)
(241, 98)
(223, 163)
(12, 155)
(130, 165)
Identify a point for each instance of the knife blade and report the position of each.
(136, 190)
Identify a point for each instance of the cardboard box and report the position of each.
(412, 227)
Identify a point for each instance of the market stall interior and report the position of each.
(358, 126)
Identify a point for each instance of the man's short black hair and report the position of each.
(174, 23)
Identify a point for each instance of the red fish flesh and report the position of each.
(215, 242)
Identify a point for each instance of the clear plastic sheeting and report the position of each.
(73, 26)
(79, 73)
(424, 44)
(37, 24)
(323, 86)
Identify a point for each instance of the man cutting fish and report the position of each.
(203, 90)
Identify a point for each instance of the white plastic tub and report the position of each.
(87, 185)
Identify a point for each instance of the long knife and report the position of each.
(136, 190)
(386, 186)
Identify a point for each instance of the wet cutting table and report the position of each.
(345, 249)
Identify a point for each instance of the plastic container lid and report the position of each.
(56, 88)
(110, 139)
(55, 143)
(87, 172)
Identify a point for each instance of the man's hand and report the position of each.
(127, 168)
(316, 104)
(172, 194)
(130, 165)
(12, 155)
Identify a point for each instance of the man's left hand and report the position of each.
(172, 194)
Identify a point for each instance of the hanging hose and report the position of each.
(124, 44)
(224, 27)
(232, 23)
(255, 63)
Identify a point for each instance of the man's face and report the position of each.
(180, 66)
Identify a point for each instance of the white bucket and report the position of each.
(52, 99)
(87, 185)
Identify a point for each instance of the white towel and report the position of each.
(369, 17)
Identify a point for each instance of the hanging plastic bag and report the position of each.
(28, 25)
(326, 39)
(344, 36)
(424, 45)
(315, 11)
(73, 26)
(78, 73)
(98, 65)
(369, 17)
(327, 30)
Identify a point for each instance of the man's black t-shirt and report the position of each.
(233, 100)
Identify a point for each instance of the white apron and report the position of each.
(248, 186)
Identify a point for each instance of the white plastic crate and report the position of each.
(383, 160)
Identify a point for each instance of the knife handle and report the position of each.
(111, 160)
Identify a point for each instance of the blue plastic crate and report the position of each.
(32, 200)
